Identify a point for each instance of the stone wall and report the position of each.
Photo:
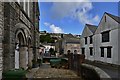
(1, 37)
(10, 20)
(15, 19)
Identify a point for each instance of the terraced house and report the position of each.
(87, 41)
(105, 39)
(19, 30)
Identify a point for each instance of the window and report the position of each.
(85, 40)
(91, 51)
(83, 50)
(102, 52)
(91, 40)
(105, 18)
(68, 51)
(105, 36)
(21, 4)
(109, 52)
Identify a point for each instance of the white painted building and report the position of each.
(107, 39)
(87, 41)
(48, 46)
(106, 45)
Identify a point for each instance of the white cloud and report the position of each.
(96, 18)
(75, 10)
(56, 29)
(47, 24)
(53, 28)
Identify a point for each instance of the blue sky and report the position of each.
(71, 17)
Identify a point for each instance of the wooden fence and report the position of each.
(74, 63)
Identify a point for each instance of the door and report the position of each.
(16, 59)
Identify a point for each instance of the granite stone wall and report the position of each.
(1, 38)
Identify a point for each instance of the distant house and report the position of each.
(42, 49)
(107, 39)
(87, 41)
(102, 43)
(47, 48)
(71, 43)
(43, 33)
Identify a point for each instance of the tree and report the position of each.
(46, 38)
(52, 52)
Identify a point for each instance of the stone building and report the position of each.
(70, 43)
(19, 31)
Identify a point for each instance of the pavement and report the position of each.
(30, 73)
(46, 72)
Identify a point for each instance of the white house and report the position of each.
(47, 48)
(106, 45)
(87, 41)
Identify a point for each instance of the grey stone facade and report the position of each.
(18, 35)
(71, 43)
(1, 38)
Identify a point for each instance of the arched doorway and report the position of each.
(23, 49)
(20, 40)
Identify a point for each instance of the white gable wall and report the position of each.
(111, 25)
(87, 33)
(108, 25)
(119, 44)
(114, 28)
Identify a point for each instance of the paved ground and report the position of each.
(54, 73)
(46, 72)
(30, 73)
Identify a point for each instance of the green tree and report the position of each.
(46, 38)
(52, 52)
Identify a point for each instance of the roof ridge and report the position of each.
(112, 14)
(92, 28)
(116, 18)
(91, 25)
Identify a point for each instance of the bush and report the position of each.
(15, 74)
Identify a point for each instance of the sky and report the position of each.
(71, 17)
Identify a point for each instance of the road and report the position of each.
(113, 72)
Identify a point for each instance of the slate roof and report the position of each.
(116, 18)
(69, 38)
(92, 27)
(42, 46)
(73, 40)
